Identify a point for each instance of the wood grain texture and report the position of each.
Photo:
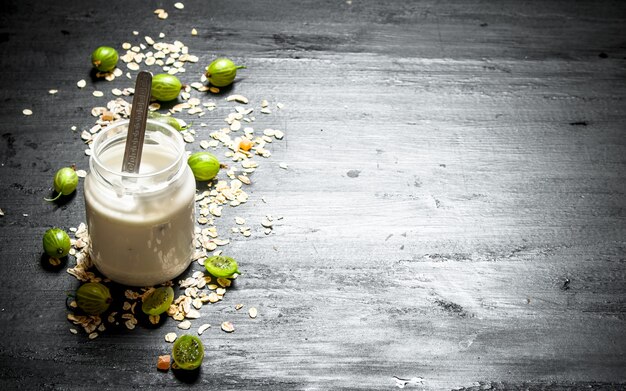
(453, 208)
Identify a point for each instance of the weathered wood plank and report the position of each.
(453, 207)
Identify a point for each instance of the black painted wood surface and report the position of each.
(453, 207)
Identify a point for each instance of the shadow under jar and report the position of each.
(141, 226)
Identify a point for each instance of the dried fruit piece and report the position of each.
(163, 363)
(245, 144)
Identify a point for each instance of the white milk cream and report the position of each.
(142, 236)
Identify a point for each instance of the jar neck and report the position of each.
(162, 160)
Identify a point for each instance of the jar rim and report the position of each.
(180, 144)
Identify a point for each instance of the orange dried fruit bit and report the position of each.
(163, 364)
(245, 144)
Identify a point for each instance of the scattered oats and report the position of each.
(131, 295)
(126, 46)
(136, 32)
(93, 335)
(238, 306)
(220, 291)
(149, 40)
(264, 103)
(170, 337)
(133, 66)
(204, 144)
(194, 32)
(244, 179)
(280, 105)
(197, 303)
(73, 331)
(228, 327)
(184, 325)
(252, 312)
(179, 5)
(52, 92)
(54, 261)
(150, 61)
(81, 83)
(212, 287)
(81, 173)
(74, 127)
(88, 151)
(235, 125)
(154, 106)
(237, 98)
(161, 35)
(240, 220)
(203, 328)
(172, 310)
(155, 319)
(267, 231)
(225, 282)
(98, 94)
(193, 314)
(116, 92)
(283, 166)
(266, 110)
(214, 90)
(279, 134)
(213, 298)
(162, 15)
(266, 223)
(188, 138)
(27, 112)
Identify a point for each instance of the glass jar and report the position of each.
(141, 226)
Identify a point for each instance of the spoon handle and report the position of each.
(137, 124)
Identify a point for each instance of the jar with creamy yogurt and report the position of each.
(141, 226)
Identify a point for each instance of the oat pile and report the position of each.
(241, 146)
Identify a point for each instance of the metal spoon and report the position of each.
(137, 124)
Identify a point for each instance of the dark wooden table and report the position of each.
(453, 207)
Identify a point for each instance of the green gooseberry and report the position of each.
(222, 72)
(221, 266)
(65, 182)
(165, 87)
(188, 352)
(175, 123)
(56, 243)
(204, 165)
(104, 58)
(93, 298)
